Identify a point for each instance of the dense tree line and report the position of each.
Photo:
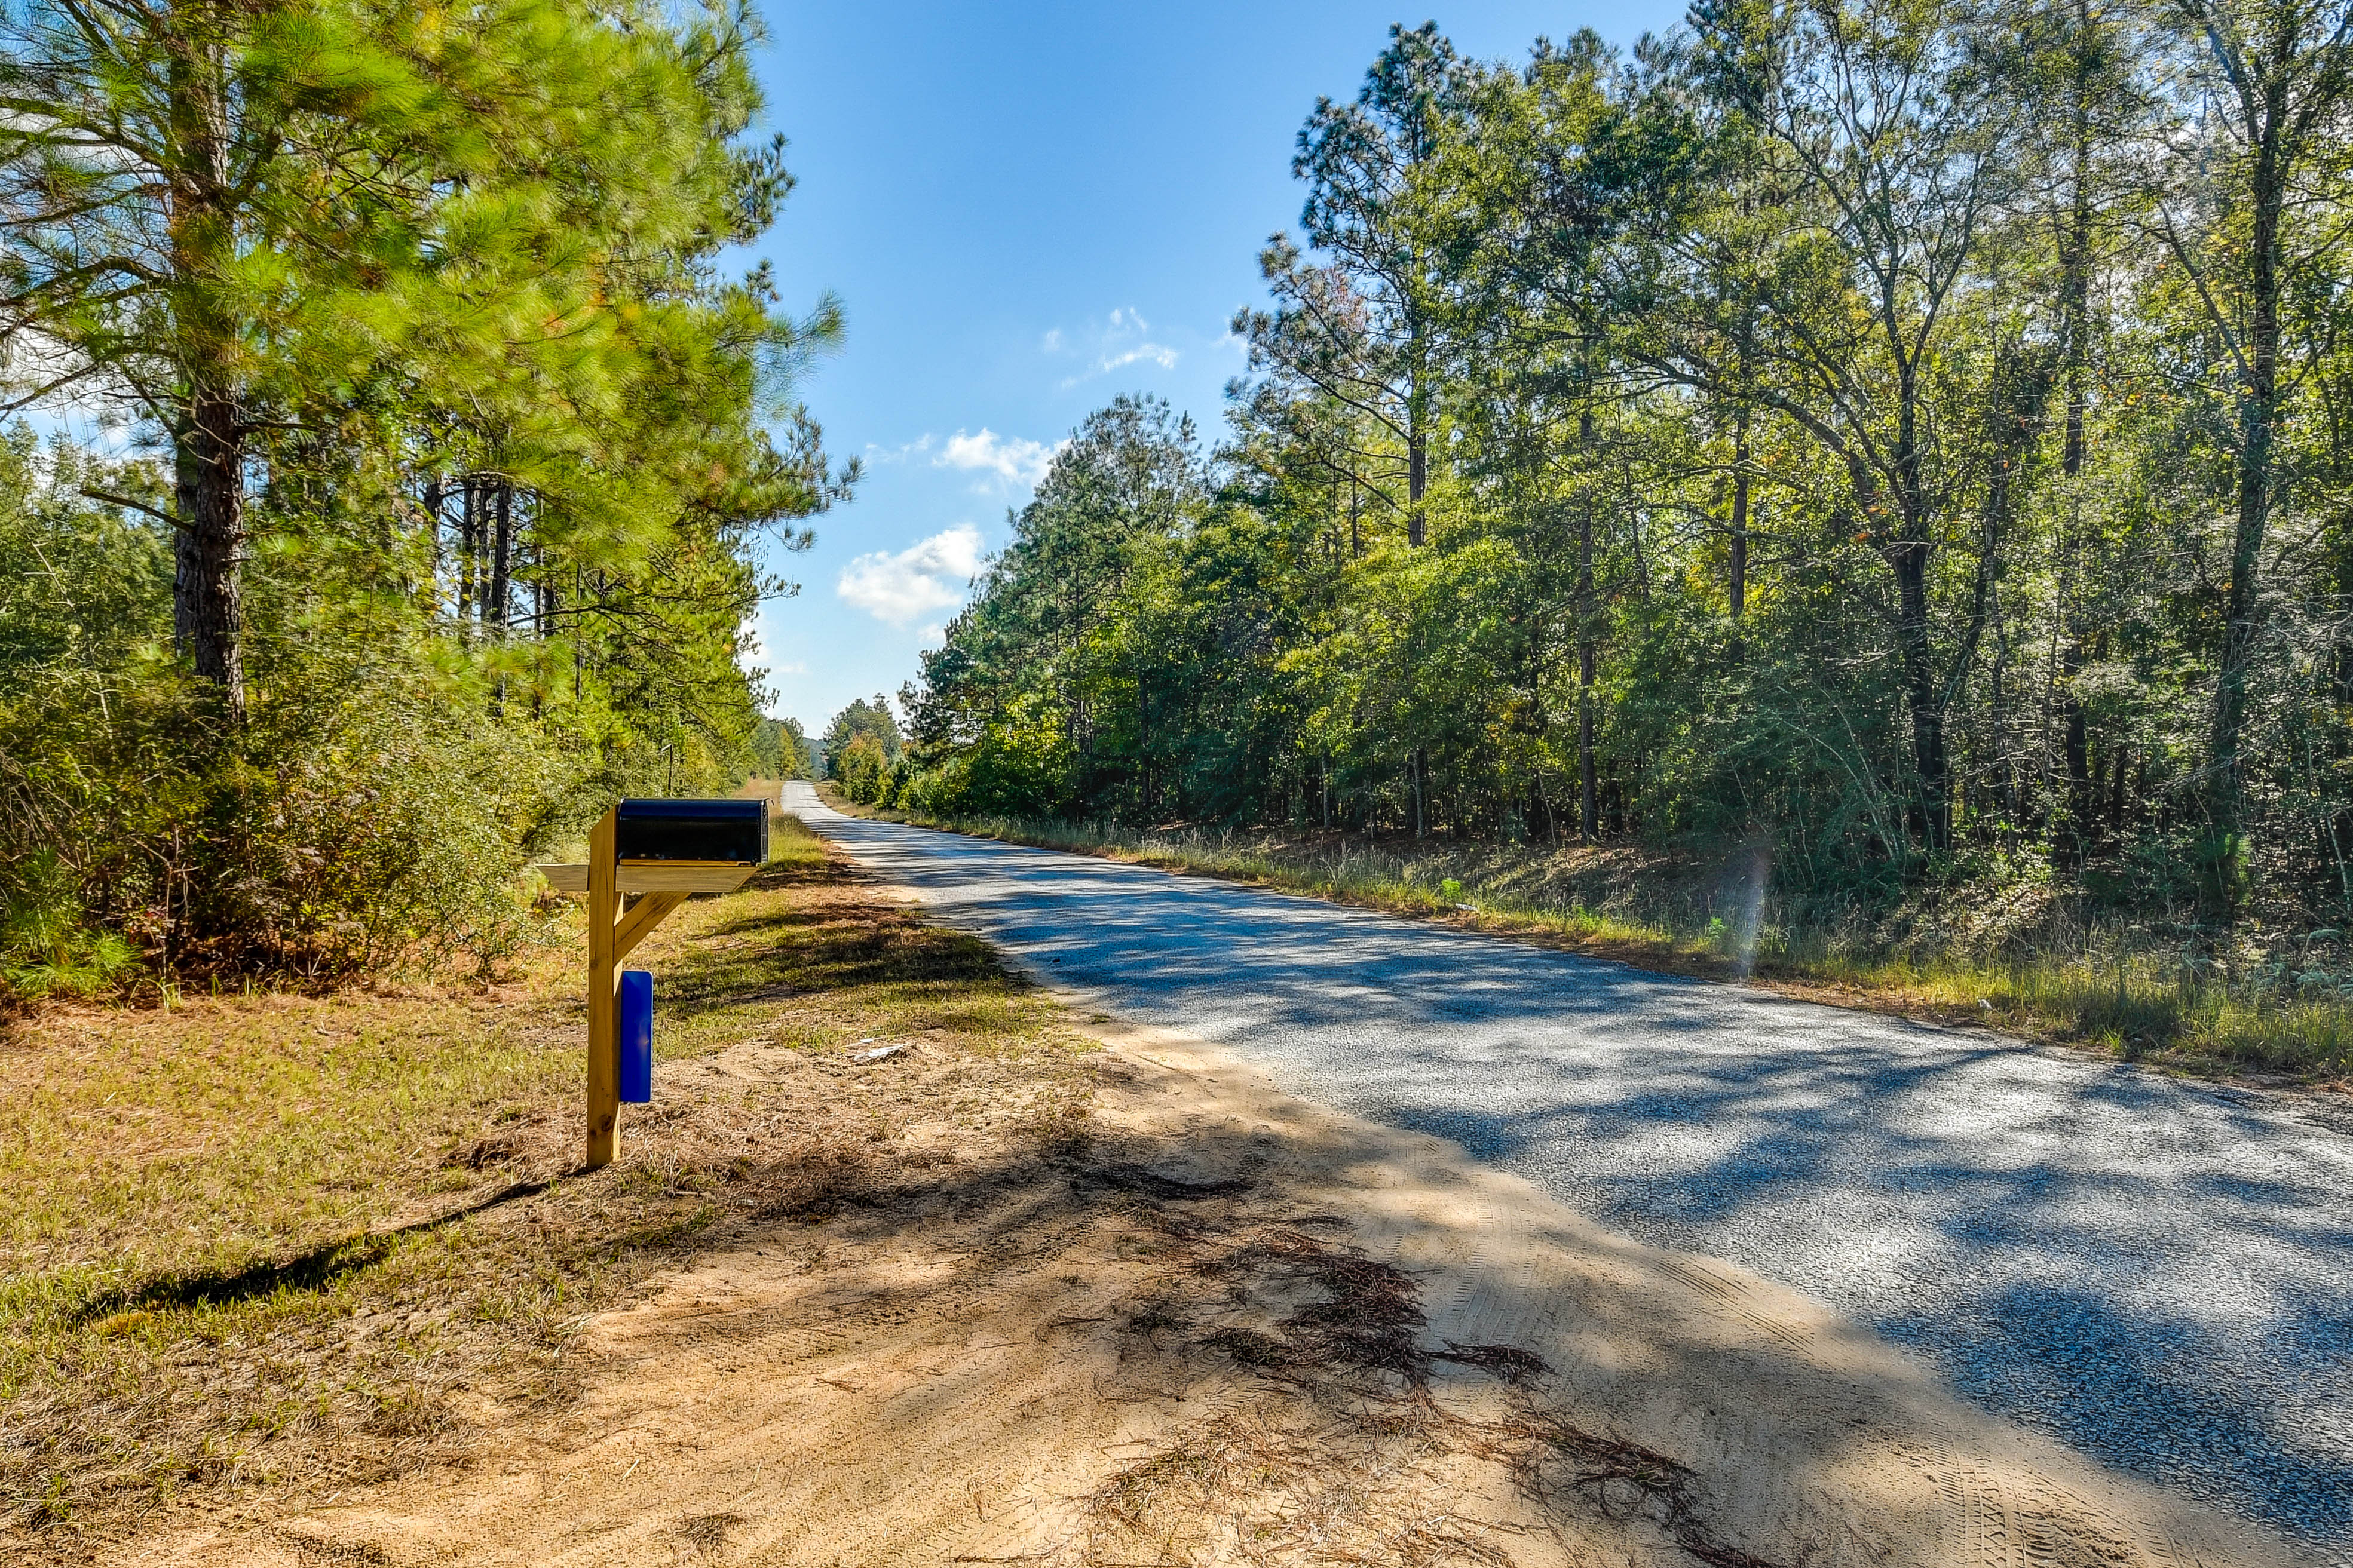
(1911, 435)
(862, 750)
(454, 458)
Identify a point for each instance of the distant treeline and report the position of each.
(1914, 435)
(780, 751)
(450, 470)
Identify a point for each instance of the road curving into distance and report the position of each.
(2156, 1272)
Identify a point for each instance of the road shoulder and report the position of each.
(1213, 1322)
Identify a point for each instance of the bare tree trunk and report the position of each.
(1143, 745)
(1934, 815)
(502, 562)
(579, 628)
(2222, 885)
(432, 504)
(1737, 588)
(469, 524)
(501, 590)
(1417, 437)
(1417, 484)
(208, 432)
(2069, 845)
(1587, 815)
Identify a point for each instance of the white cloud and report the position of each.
(1052, 342)
(1120, 339)
(1011, 458)
(899, 453)
(1158, 353)
(790, 669)
(924, 577)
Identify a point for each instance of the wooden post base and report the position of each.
(604, 963)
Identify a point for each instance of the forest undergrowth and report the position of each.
(2000, 951)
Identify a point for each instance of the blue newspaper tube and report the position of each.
(637, 1036)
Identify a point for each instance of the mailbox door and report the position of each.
(720, 830)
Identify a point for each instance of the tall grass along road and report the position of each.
(2152, 1269)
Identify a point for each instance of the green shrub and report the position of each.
(381, 825)
(46, 946)
(943, 791)
(863, 771)
(362, 819)
(1005, 772)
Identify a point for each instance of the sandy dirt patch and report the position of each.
(1205, 1322)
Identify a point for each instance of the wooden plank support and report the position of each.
(604, 979)
(642, 917)
(656, 876)
(684, 876)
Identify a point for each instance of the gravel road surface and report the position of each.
(2158, 1272)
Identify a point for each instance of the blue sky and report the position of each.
(1027, 209)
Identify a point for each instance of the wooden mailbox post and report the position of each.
(645, 859)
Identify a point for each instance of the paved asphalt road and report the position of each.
(2156, 1272)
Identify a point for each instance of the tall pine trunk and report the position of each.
(2070, 844)
(208, 587)
(431, 501)
(1736, 588)
(502, 559)
(1416, 483)
(1908, 552)
(208, 432)
(1587, 815)
(470, 526)
(2223, 882)
(1933, 818)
